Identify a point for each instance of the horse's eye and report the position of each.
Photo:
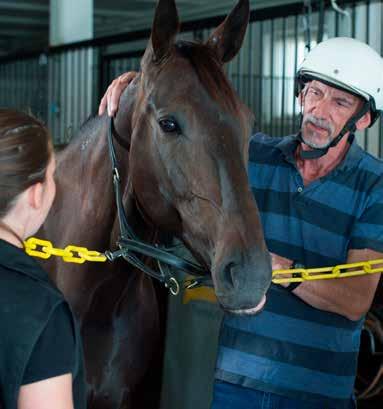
(169, 125)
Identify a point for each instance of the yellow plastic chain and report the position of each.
(297, 275)
(326, 273)
(73, 254)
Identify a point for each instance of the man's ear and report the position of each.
(302, 94)
(35, 195)
(364, 122)
(300, 98)
(301, 101)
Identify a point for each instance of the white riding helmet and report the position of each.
(347, 64)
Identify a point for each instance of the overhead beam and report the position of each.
(22, 33)
(5, 5)
(116, 13)
(20, 20)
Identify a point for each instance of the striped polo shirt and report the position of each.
(291, 348)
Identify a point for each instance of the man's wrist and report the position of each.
(292, 286)
(297, 264)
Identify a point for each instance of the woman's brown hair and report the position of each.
(25, 151)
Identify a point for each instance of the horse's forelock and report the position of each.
(210, 73)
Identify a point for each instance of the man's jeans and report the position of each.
(229, 396)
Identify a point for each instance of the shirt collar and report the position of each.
(289, 144)
(353, 157)
(14, 258)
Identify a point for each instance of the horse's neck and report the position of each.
(84, 211)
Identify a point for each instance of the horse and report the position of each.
(181, 139)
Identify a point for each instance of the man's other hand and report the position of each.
(111, 98)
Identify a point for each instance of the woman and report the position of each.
(41, 362)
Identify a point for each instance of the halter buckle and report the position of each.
(173, 286)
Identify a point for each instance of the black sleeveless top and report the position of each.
(32, 309)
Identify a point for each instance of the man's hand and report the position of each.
(111, 98)
(281, 263)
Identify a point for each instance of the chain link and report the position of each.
(71, 254)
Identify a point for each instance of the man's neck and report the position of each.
(312, 169)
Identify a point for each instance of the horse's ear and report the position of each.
(165, 28)
(227, 38)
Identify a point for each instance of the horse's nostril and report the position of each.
(228, 274)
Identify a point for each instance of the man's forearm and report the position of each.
(350, 297)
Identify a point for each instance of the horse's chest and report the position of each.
(120, 331)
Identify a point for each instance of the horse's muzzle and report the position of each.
(249, 311)
(241, 286)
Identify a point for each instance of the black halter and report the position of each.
(129, 244)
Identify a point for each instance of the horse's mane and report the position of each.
(87, 131)
(88, 125)
(210, 72)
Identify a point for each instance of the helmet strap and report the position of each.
(350, 127)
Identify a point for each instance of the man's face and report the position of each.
(325, 112)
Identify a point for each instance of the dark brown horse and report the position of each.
(184, 173)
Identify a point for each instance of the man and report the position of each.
(320, 198)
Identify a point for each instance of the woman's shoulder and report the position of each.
(26, 301)
(14, 284)
(24, 275)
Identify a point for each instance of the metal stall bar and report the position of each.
(271, 130)
(82, 75)
(380, 143)
(283, 76)
(366, 133)
(294, 127)
(336, 24)
(59, 110)
(250, 61)
(260, 76)
(72, 86)
(239, 74)
(353, 22)
(88, 95)
(50, 97)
